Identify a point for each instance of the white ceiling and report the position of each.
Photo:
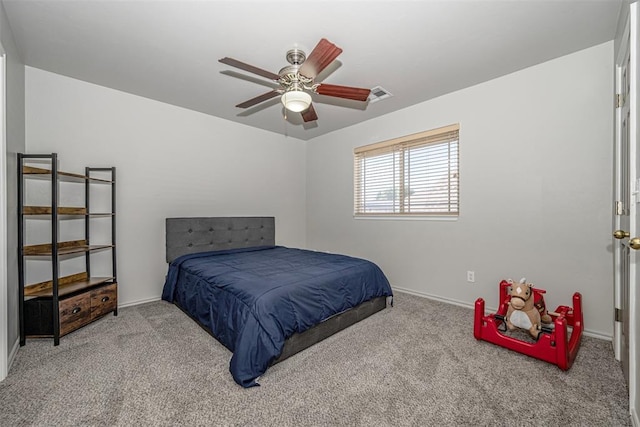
(168, 50)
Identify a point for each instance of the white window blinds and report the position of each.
(411, 175)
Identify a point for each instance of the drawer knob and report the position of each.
(76, 310)
(105, 299)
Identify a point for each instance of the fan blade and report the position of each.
(346, 92)
(310, 114)
(249, 68)
(258, 99)
(322, 55)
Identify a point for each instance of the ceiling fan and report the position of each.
(296, 80)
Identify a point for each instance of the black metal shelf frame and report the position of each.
(55, 217)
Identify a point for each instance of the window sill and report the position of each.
(407, 217)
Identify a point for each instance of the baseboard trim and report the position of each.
(12, 354)
(598, 335)
(138, 302)
(634, 418)
(586, 332)
(439, 298)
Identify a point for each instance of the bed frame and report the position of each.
(199, 234)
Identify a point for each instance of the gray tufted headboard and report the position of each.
(190, 235)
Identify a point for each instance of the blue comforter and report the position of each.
(253, 299)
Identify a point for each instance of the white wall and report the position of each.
(170, 162)
(536, 190)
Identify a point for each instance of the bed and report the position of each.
(264, 302)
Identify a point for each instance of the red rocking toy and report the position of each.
(553, 344)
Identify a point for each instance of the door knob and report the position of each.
(619, 234)
(633, 243)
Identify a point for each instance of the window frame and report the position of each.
(401, 150)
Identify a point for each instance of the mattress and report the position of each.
(253, 299)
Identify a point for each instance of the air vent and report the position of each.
(378, 93)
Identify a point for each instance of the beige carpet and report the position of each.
(416, 364)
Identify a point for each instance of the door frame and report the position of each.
(4, 321)
(634, 294)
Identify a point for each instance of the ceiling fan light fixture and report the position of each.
(296, 100)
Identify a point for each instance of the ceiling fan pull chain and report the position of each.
(285, 110)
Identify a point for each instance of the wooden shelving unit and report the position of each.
(62, 304)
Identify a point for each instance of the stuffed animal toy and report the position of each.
(538, 302)
(522, 313)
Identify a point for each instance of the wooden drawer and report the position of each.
(74, 313)
(104, 300)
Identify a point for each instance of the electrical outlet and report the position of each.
(471, 276)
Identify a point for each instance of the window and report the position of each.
(415, 175)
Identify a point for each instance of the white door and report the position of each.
(624, 187)
(627, 210)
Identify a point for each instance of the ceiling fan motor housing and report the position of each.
(290, 78)
(296, 57)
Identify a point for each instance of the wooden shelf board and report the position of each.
(62, 210)
(46, 210)
(64, 248)
(65, 287)
(31, 170)
(34, 288)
